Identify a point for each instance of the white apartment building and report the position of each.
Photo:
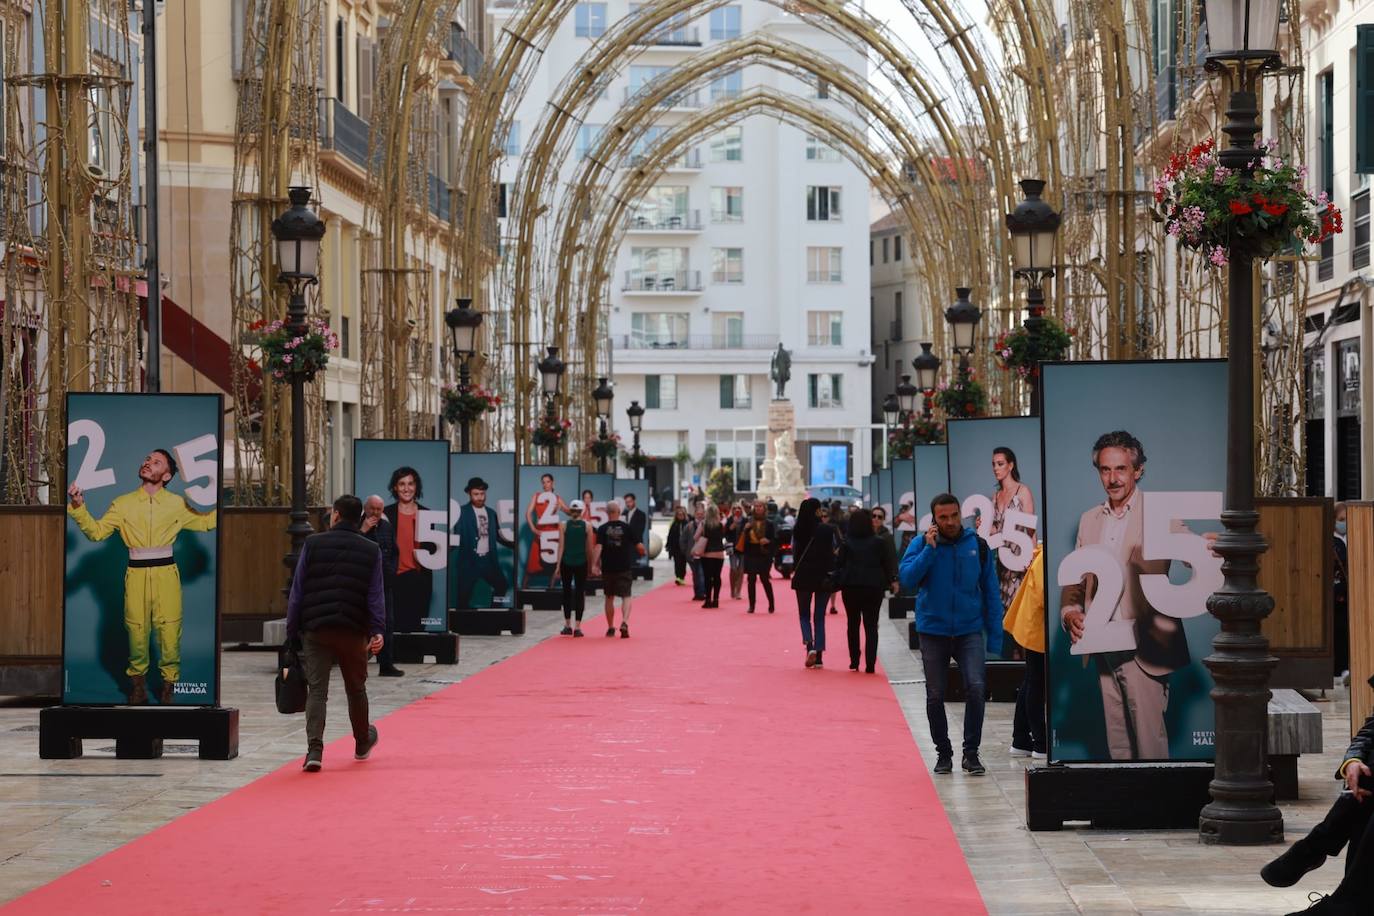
(757, 237)
(899, 320)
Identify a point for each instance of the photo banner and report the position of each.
(597, 490)
(932, 479)
(885, 491)
(140, 596)
(902, 522)
(1135, 466)
(411, 477)
(638, 519)
(482, 537)
(973, 471)
(870, 490)
(545, 491)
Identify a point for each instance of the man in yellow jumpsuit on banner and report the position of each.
(148, 520)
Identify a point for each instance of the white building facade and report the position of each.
(757, 237)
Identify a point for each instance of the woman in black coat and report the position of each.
(813, 546)
(866, 568)
(675, 550)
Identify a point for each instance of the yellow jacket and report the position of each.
(142, 520)
(1025, 618)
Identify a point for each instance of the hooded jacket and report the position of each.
(956, 592)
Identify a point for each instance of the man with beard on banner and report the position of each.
(1134, 681)
(148, 521)
(479, 533)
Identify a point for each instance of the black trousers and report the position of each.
(411, 591)
(384, 658)
(862, 605)
(679, 566)
(765, 578)
(574, 590)
(712, 567)
(1028, 726)
(473, 569)
(1350, 825)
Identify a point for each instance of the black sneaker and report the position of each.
(312, 762)
(610, 631)
(944, 763)
(362, 751)
(972, 765)
(1288, 869)
(390, 671)
(566, 631)
(624, 631)
(1327, 905)
(577, 634)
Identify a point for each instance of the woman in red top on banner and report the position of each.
(542, 516)
(414, 583)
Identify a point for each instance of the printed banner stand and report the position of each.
(638, 519)
(1134, 459)
(481, 513)
(140, 635)
(597, 491)
(412, 478)
(543, 493)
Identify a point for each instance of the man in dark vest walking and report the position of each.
(337, 614)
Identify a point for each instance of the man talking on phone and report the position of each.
(1350, 825)
(336, 614)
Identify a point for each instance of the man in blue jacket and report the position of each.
(958, 604)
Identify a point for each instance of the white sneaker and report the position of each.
(1019, 751)
(1038, 755)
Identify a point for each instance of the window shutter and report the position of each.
(238, 24)
(813, 394)
(1364, 99)
(727, 391)
(365, 72)
(651, 392)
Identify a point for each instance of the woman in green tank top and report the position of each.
(575, 540)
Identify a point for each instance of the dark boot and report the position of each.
(1328, 906)
(165, 697)
(1288, 869)
(138, 690)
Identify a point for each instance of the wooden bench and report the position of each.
(1295, 728)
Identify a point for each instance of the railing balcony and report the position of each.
(687, 221)
(464, 52)
(440, 198)
(725, 93)
(681, 37)
(702, 342)
(343, 131)
(652, 281)
(689, 161)
(682, 101)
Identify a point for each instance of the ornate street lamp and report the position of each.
(551, 370)
(1242, 36)
(892, 412)
(927, 367)
(463, 323)
(602, 394)
(963, 318)
(1033, 225)
(636, 415)
(298, 232)
(906, 398)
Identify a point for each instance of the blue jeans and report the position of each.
(970, 653)
(698, 578)
(805, 601)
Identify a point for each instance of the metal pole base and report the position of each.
(1225, 823)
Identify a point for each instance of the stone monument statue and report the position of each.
(780, 369)
(781, 480)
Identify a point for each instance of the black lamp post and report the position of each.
(551, 370)
(636, 415)
(906, 399)
(963, 318)
(602, 394)
(1243, 37)
(463, 323)
(927, 367)
(1033, 225)
(297, 232)
(892, 412)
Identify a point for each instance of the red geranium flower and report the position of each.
(1276, 209)
(1240, 208)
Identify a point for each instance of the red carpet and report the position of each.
(694, 768)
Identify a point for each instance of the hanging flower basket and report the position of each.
(462, 408)
(635, 462)
(1017, 351)
(550, 432)
(604, 448)
(902, 441)
(965, 398)
(1212, 209)
(285, 355)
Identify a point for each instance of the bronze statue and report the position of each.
(780, 370)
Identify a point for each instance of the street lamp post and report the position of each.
(927, 367)
(297, 232)
(1033, 225)
(1243, 37)
(636, 415)
(602, 394)
(892, 412)
(906, 399)
(963, 318)
(551, 370)
(463, 323)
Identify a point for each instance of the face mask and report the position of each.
(1340, 527)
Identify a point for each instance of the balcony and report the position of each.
(650, 282)
(681, 37)
(687, 162)
(677, 222)
(683, 101)
(464, 52)
(440, 198)
(343, 131)
(703, 342)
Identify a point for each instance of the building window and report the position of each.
(822, 204)
(896, 248)
(340, 62)
(824, 389)
(897, 316)
(729, 86)
(870, 252)
(734, 392)
(886, 250)
(502, 199)
(658, 329)
(727, 330)
(1359, 237)
(727, 265)
(660, 392)
(727, 205)
(823, 329)
(590, 20)
(1363, 65)
(817, 150)
(822, 89)
(587, 135)
(823, 264)
(345, 338)
(1326, 161)
(728, 145)
(725, 23)
(513, 139)
(661, 204)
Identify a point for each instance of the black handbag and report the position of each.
(291, 686)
